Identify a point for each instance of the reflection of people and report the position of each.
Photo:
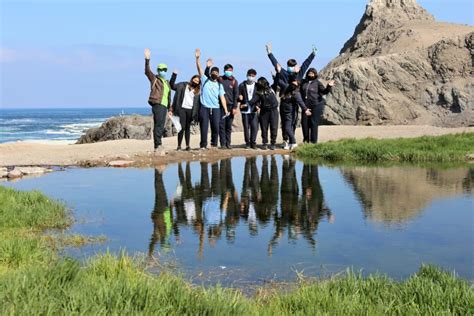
(250, 194)
(161, 215)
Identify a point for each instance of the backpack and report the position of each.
(265, 100)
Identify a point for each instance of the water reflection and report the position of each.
(397, 194)
(214, 208)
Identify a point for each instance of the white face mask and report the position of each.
(251, 78)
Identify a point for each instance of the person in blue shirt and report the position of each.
(212, 97)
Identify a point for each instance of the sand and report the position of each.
(46, 153)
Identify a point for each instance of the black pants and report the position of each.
(310, 124)
(213, 116)
(266, 118)
(294, 119)
(159, 119)
(250, 124)
(287, 116)
(185, 118)
(225, 129)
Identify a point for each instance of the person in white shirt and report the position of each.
(249, 113)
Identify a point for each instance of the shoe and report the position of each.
(159, 148)
(293, 146)
(264, 147)
(203, 148)
(285, 145)
(272, 147)
(228, 147)
(188, 148)
(178, 148)
(253, 146)
(247, 146)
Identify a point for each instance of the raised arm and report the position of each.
(198, 63)
(173, 80)
(150, 75)
(270, 55)
(305, 65)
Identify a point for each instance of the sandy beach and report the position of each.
(140, 151)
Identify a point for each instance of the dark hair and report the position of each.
(291, 63)
(263, 84)
(313, 70)
(252, 72)
(228, 66)
(196, 90)
(215, 69)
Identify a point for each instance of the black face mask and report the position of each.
(311, 77)
(214, 76)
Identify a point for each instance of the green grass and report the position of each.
(40, 282)
(447, 148)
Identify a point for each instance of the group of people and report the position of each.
(211, 99)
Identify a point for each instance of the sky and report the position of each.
(69, 54)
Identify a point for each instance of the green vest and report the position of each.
(166, 92)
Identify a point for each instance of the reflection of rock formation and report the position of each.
(394, 195)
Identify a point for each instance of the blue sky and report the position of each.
(90, 53)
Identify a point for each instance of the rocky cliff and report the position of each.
(403, 67)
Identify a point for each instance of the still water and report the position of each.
(250, 220)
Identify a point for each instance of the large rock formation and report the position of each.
(403, 67)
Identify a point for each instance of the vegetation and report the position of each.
(40, 282)
(447, 148)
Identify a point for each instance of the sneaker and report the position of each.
(293, 146)
(247, 146)
(253, 146)
(228, 147)
(272, 147)
(178, 148)
(159, 148)
(285, 146)
(203, 148)
(188, 148)
(264, 147)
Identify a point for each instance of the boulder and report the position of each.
(3, 172)
(33, 170)
(15, 173)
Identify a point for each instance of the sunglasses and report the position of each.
(164, 69)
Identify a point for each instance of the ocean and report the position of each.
(55, 124)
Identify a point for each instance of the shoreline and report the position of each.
(140, 152)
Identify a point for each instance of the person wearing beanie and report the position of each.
(159, 99)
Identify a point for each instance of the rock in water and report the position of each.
(403, 67)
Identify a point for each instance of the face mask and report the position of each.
(311, 77)
(194, 85)
(162, 74)
(290, 69)
(228, 73)
(251, 78)
(214, 76)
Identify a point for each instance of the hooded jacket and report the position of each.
(157, 87)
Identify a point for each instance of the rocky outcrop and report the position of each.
(135, 127)
(403, 67)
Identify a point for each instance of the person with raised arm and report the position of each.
(212, 91)
(159, 99)
(185, 105)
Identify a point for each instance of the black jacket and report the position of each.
(245, 100)
(178, 98)
(285, 76)
(292, 98)
(231, 88)
(313, 91)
